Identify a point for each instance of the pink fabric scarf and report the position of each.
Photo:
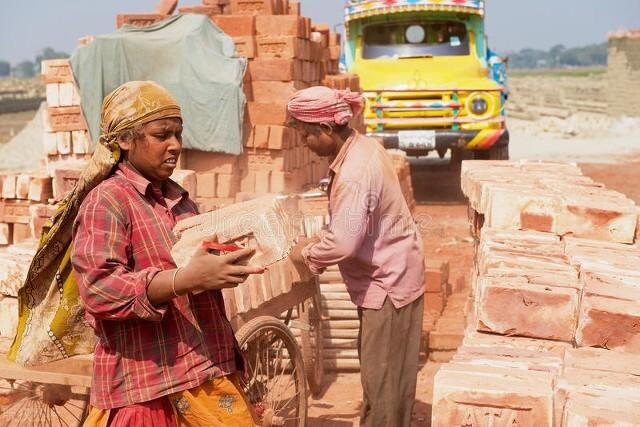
(320, 104)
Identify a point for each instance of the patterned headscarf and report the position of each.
(132, 104)
(50, 324)
(320, 104)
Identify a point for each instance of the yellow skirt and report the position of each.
(217, 403)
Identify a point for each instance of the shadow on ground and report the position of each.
(435, 181)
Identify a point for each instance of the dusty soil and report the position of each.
(12, 123)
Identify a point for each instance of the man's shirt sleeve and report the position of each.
(109, 287)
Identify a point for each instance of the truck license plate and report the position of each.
(417, 139)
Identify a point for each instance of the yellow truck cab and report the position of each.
(429, 79)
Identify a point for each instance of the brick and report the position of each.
(22, 186)
(53, 94)
(15, 211)
(267, 113)
(261, 136)
(436, 276)
(275, 69)
(284, 47)
(227, 185)
(609, 323)
(6, 233)
(50, 143)
(63, 140)
(434, 301)
(280, 182)
(40, 188)
(334, 39)
(252, 7)
(206, 185)
(9, 187)
(281, 25)
(586, 410)
(276, 91)
(280, 137)
(294, 8)
(201, 10)
(186, 179)
(67, 94)
(204, 161)
(245, 46)
(510, 307)
(248, 182)
(482, 396)
(56, 71)
(8, 317)
(21, 233)
(263, 177)
(80, 143)
(138, 19)
(65, 119)
(64, 179)
(236, 25)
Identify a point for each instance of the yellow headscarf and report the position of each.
(51, 324)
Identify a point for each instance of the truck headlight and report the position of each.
(480, 105)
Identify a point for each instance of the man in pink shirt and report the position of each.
(374, 240)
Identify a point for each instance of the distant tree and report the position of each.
(560, 56)
(48, 53)
(24, 70)
(5, 68)
(555, 53)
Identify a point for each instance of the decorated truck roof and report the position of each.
(356, 9)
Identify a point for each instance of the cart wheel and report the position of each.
(276, 386)
(26, 403)
(311, 339)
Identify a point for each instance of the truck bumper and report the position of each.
(446, 139)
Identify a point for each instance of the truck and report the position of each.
(428, 77)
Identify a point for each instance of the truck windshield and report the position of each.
(415, 39)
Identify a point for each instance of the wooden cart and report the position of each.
(57, 394)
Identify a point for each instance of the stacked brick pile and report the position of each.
(403, 170)
(286, 53)
(552, 336)
(623, 73)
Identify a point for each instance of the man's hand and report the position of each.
(296, 252)
(207, 271)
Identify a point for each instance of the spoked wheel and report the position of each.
(276, 386)
(26, 403)
(311, 337)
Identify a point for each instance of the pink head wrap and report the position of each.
(320, 104)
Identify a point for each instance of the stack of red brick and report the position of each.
(28, 197)
(66, 139)
(575, 303)
(403, 170)
(286, 53)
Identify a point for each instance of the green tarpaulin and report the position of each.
(190, 57)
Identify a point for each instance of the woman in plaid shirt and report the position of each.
(164, 357)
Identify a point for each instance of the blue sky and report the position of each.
(27, 26)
